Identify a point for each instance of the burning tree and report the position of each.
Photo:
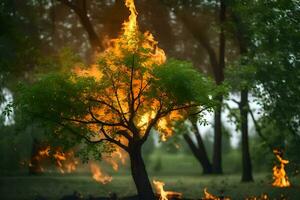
(114, 104)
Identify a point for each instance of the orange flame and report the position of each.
(116, 157)
(279, 175)
(65, 161)
(132, 41)
(98, 175)
(262, 197)
(165, 195)
(209, 196)
(44, 152)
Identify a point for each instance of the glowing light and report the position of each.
(165, 195)
(98, 175)
(279, 174)
(209, 196)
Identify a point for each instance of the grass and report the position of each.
(181, 173)
(56, 186)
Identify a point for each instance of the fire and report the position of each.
(65, 161)
(279, 174)
(44, 152)
(208, 196)
(115, 158)
(262, 197)
(165, 195)
(98, 175)
(142, 46)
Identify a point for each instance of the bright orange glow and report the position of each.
(130, 41)
(279, 174)
(262, 197)
(165, 195)
(98, 175)
(44, 152)
(117, 157)
(65, 162)
(123, 82)
(209, 196)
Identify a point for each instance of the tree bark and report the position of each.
(139, 174)
(81, 11)
(199, 152)
(219, 78)
(34, 166)
(244, 104)
(217, 151)
(246, 159)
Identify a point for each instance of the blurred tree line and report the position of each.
(250, 46)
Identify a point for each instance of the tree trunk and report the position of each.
(217, 153)
(200, 155)
(80, 9)
(246, 159)
(34, 166)
(199, 150)
(219, 78)
(140, 176)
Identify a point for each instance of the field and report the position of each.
(181, 176)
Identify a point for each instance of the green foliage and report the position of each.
(18, 43)
(55, 98)
(62, 60)
(184, 82)
(263, 156)
(273, 33)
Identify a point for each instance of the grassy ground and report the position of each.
(56, 186)
(181, 173)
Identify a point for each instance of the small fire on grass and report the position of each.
(209, 196)
(261, 197)
(65, 161)
(165, 195)
(279, 174)
(98, 175)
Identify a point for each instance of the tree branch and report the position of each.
(110, 139)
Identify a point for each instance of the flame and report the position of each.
(262, 197)
(164, 195)
(98, 175)
(65, 161)
(209, 196)
(279, 174)
(131, 41)
(116, 157)
(44, 152)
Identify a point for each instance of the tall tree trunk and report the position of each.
(80, 8)
(200, 153)
(241, 31)
(219, 78)
(217, 153)
(34, 165)
(247, 166)
(140, 176)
